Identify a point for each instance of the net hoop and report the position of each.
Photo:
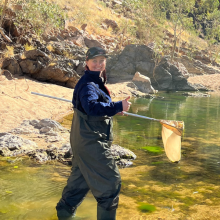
(176, 126)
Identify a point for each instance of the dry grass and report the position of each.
(28, 47)
(50, 47)
(89, 12)
(93, 12)
(190, 38)
(9, 52)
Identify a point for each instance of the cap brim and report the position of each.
(100, 55)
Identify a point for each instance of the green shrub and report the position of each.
(43, 16)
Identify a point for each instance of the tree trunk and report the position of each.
(174, 44)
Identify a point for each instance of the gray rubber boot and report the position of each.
(103, 214)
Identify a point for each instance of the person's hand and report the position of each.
(120, 113)
(126, 104)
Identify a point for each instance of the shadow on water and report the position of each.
(153, 188)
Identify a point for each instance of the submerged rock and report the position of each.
(119, 152)
(123, 163)
(196, 94)
(122, 155)
(40, 155)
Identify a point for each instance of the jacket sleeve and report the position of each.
(89, 100)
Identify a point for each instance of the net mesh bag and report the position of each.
(171, 136)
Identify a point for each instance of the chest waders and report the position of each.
(93, 167)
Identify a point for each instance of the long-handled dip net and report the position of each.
(171, 136)
(171, 132)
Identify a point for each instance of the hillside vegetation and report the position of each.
(192, 22)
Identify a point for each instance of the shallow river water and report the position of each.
(153, 188)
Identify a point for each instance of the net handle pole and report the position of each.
(66, 100)
(140, 116)
(53, 97)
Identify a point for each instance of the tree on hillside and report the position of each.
(207, 21)
(176, 12)
(3, 13)
(147, 27)
(205, 15)
(213, 36)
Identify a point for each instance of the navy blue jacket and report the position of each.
(93, 99)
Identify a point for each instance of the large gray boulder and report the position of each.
(143, 83)
(58, 74)
(12, 66)
(9, 143)
(139, 58)
(36, 63)
(92, 43)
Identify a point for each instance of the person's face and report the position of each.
(97, 63)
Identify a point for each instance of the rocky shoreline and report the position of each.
(47, 140)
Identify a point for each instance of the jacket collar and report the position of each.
(94, 75)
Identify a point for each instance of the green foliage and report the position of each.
(144, 207)
(205, 7)
(43, 16)
(207, 19)
(177, 11)
(213, 27)
(1, 9)
(102, 3)
(146, 28)
(128, 27)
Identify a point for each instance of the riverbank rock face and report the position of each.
(143, 83)
(139, 58)
(196, 67)
(51, 67)
(59, 56)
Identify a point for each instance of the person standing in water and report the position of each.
(93, 167)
